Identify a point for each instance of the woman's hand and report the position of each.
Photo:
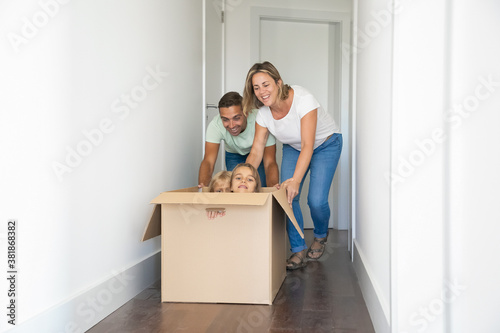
(307, 135)
(292, 189)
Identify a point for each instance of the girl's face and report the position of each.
(243, 181)
(222, 186)
(265, 89)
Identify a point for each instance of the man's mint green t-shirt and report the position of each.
(240, 144)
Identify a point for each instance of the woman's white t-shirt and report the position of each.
(287, 129)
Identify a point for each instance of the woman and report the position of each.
(311, 141)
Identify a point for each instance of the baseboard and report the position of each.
(377, 307)
(86, 309)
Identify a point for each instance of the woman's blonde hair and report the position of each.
(250, 101)
(255, 174)
(221, 176)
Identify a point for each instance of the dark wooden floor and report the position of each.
(322, 297)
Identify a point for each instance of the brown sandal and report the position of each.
(292, 265)
(310, 251)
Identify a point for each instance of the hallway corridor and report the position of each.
(322, 297)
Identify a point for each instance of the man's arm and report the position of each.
(208, 163)
(270, 166)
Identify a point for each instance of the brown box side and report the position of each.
(223, 260)
(278, 255)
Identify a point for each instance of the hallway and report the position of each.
(323, 297)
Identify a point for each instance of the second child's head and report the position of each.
(221, 182)
(245, 179)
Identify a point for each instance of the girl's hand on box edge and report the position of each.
(214, 214)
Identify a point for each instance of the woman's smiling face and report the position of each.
(243, 180)
(265, 89)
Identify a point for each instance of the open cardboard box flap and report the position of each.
(191, 195)
(211, 198)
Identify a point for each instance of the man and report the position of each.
(237, 131)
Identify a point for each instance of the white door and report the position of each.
(306, 51)
(213, 67)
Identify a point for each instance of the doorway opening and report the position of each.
(306, 47)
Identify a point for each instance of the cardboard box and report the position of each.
(237, 258)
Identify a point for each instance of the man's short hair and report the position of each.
(231, 98)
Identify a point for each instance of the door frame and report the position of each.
(341, 87)
(207, 43)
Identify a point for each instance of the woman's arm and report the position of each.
(258, 146)
(307, 138)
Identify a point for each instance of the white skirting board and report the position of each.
(379, 314)
(86, 309)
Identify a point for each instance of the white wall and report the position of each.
(418, 160)
(373, 158)
(67, 69)
(427, 97)
(474, 163)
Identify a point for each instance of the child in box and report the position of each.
(221, 182)
(245, 179)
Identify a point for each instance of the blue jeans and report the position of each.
(233, 160)
(322, 166)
